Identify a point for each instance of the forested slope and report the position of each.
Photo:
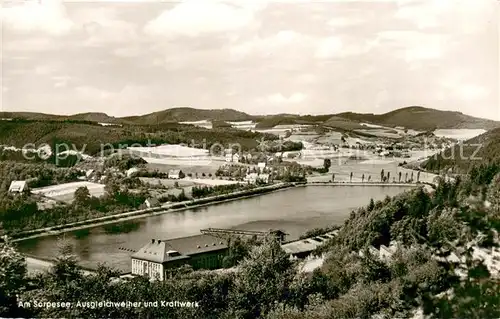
(484, 148)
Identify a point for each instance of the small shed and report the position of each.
(152, 202)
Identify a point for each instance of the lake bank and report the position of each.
(126, 216)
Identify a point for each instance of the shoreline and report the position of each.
(357, 184)
(176, 207)
(191, 204)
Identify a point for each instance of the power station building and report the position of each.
(157, 258)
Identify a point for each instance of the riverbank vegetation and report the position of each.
(204, 191)
(267, 284)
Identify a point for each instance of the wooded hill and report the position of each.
(414, 117)
(484, 148)
(423, 119)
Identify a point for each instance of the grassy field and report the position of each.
(358, 168)
(66, 192)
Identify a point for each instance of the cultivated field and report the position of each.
(66, 192)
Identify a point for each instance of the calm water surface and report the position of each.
(295, 211)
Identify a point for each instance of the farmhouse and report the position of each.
(18, 187)
(159, 257)
(151, 202)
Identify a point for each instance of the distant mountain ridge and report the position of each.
(423, 119)
(180, 114)
(413, 117)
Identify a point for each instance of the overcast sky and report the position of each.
(261, 57)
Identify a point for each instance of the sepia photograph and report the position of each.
(244, 159)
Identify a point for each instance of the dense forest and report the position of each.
(267, 284)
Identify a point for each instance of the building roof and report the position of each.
(17, 186)
(308, 244)
(153, 201)
(89, 172)
(300, 246)
(158, 251)
(197, 244)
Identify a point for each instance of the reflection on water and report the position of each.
(121, 227)
(81, 233)
(294, 211)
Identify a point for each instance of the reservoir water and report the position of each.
(294, 210)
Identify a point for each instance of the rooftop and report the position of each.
(17, 186)
(161, 250)
(308, 244)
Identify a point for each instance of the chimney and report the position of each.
(152, 241)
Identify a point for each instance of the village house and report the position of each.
(152, 202)
(18, 187)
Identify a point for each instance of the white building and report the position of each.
(152, 202)
(261, 165)
(148, 261)
(231, 156)
(18, 186)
